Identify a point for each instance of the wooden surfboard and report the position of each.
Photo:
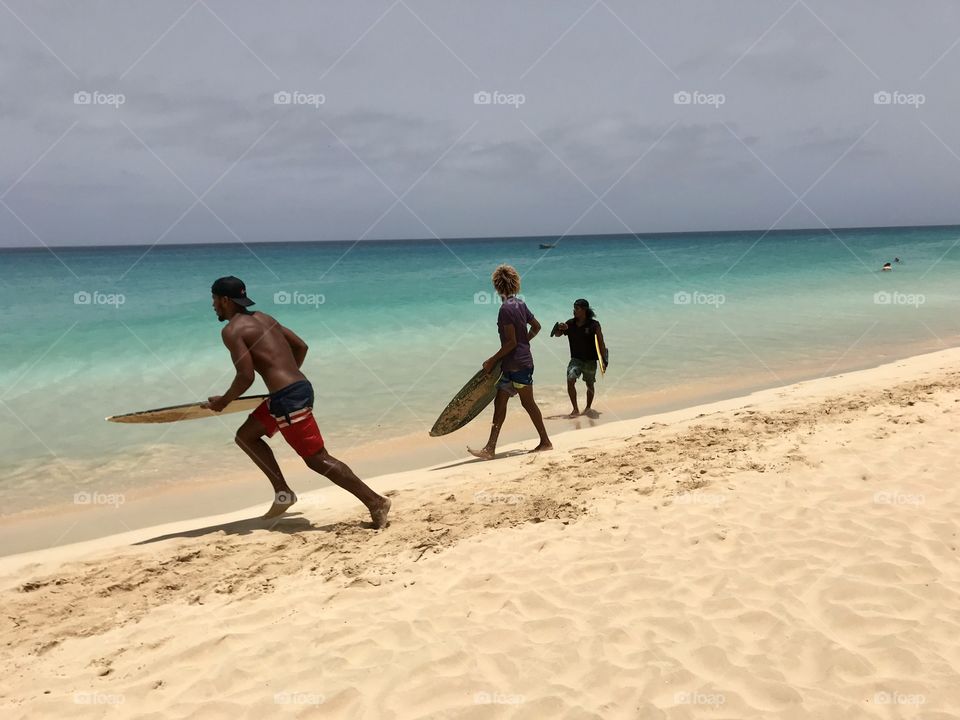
(189, 411)
(468, 403)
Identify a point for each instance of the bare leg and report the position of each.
(572, 392)
(530, 405)
(590, 393)
(340, 474)
(499, 414)
(250, 439)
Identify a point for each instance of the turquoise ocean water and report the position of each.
(396, 327)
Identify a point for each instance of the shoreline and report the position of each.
(28, 534)
(208, 495)
(142, 472)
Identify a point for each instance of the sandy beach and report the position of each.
(788, 554)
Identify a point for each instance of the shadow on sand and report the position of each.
(590, 415)
(498, 456)
(289, 523)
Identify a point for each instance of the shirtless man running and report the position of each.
(259, 343)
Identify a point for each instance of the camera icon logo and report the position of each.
(282, 297)
(82, 98)
(882, 98)
(82, 298)
(681, 298)
(482, 98)
(482, 298)
(282, 98)
(682, 98)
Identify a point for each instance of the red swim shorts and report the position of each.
(296, 424)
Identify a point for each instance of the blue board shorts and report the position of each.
(512, 380)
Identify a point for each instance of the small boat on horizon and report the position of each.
(546, 246)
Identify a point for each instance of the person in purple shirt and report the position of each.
(516, 360)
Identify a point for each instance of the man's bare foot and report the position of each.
(283, 502)
(379, 513)
(575, 413)
(543, 447)
(591, 413)
(483, 453)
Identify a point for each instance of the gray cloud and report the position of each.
(399, 90)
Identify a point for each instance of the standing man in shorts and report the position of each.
(258, 343)
(583, 331)
(516, 361)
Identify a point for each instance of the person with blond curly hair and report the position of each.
(517, 327)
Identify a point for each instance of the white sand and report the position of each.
(790, 554)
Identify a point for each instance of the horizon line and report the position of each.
(482, 237)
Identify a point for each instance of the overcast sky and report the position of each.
(786, 131)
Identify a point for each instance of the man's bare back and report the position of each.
(270, 345)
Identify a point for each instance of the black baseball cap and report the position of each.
(233, 288)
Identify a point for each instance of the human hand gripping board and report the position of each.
(189, 411)
(473, 397)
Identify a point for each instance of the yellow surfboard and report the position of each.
(603, 368)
